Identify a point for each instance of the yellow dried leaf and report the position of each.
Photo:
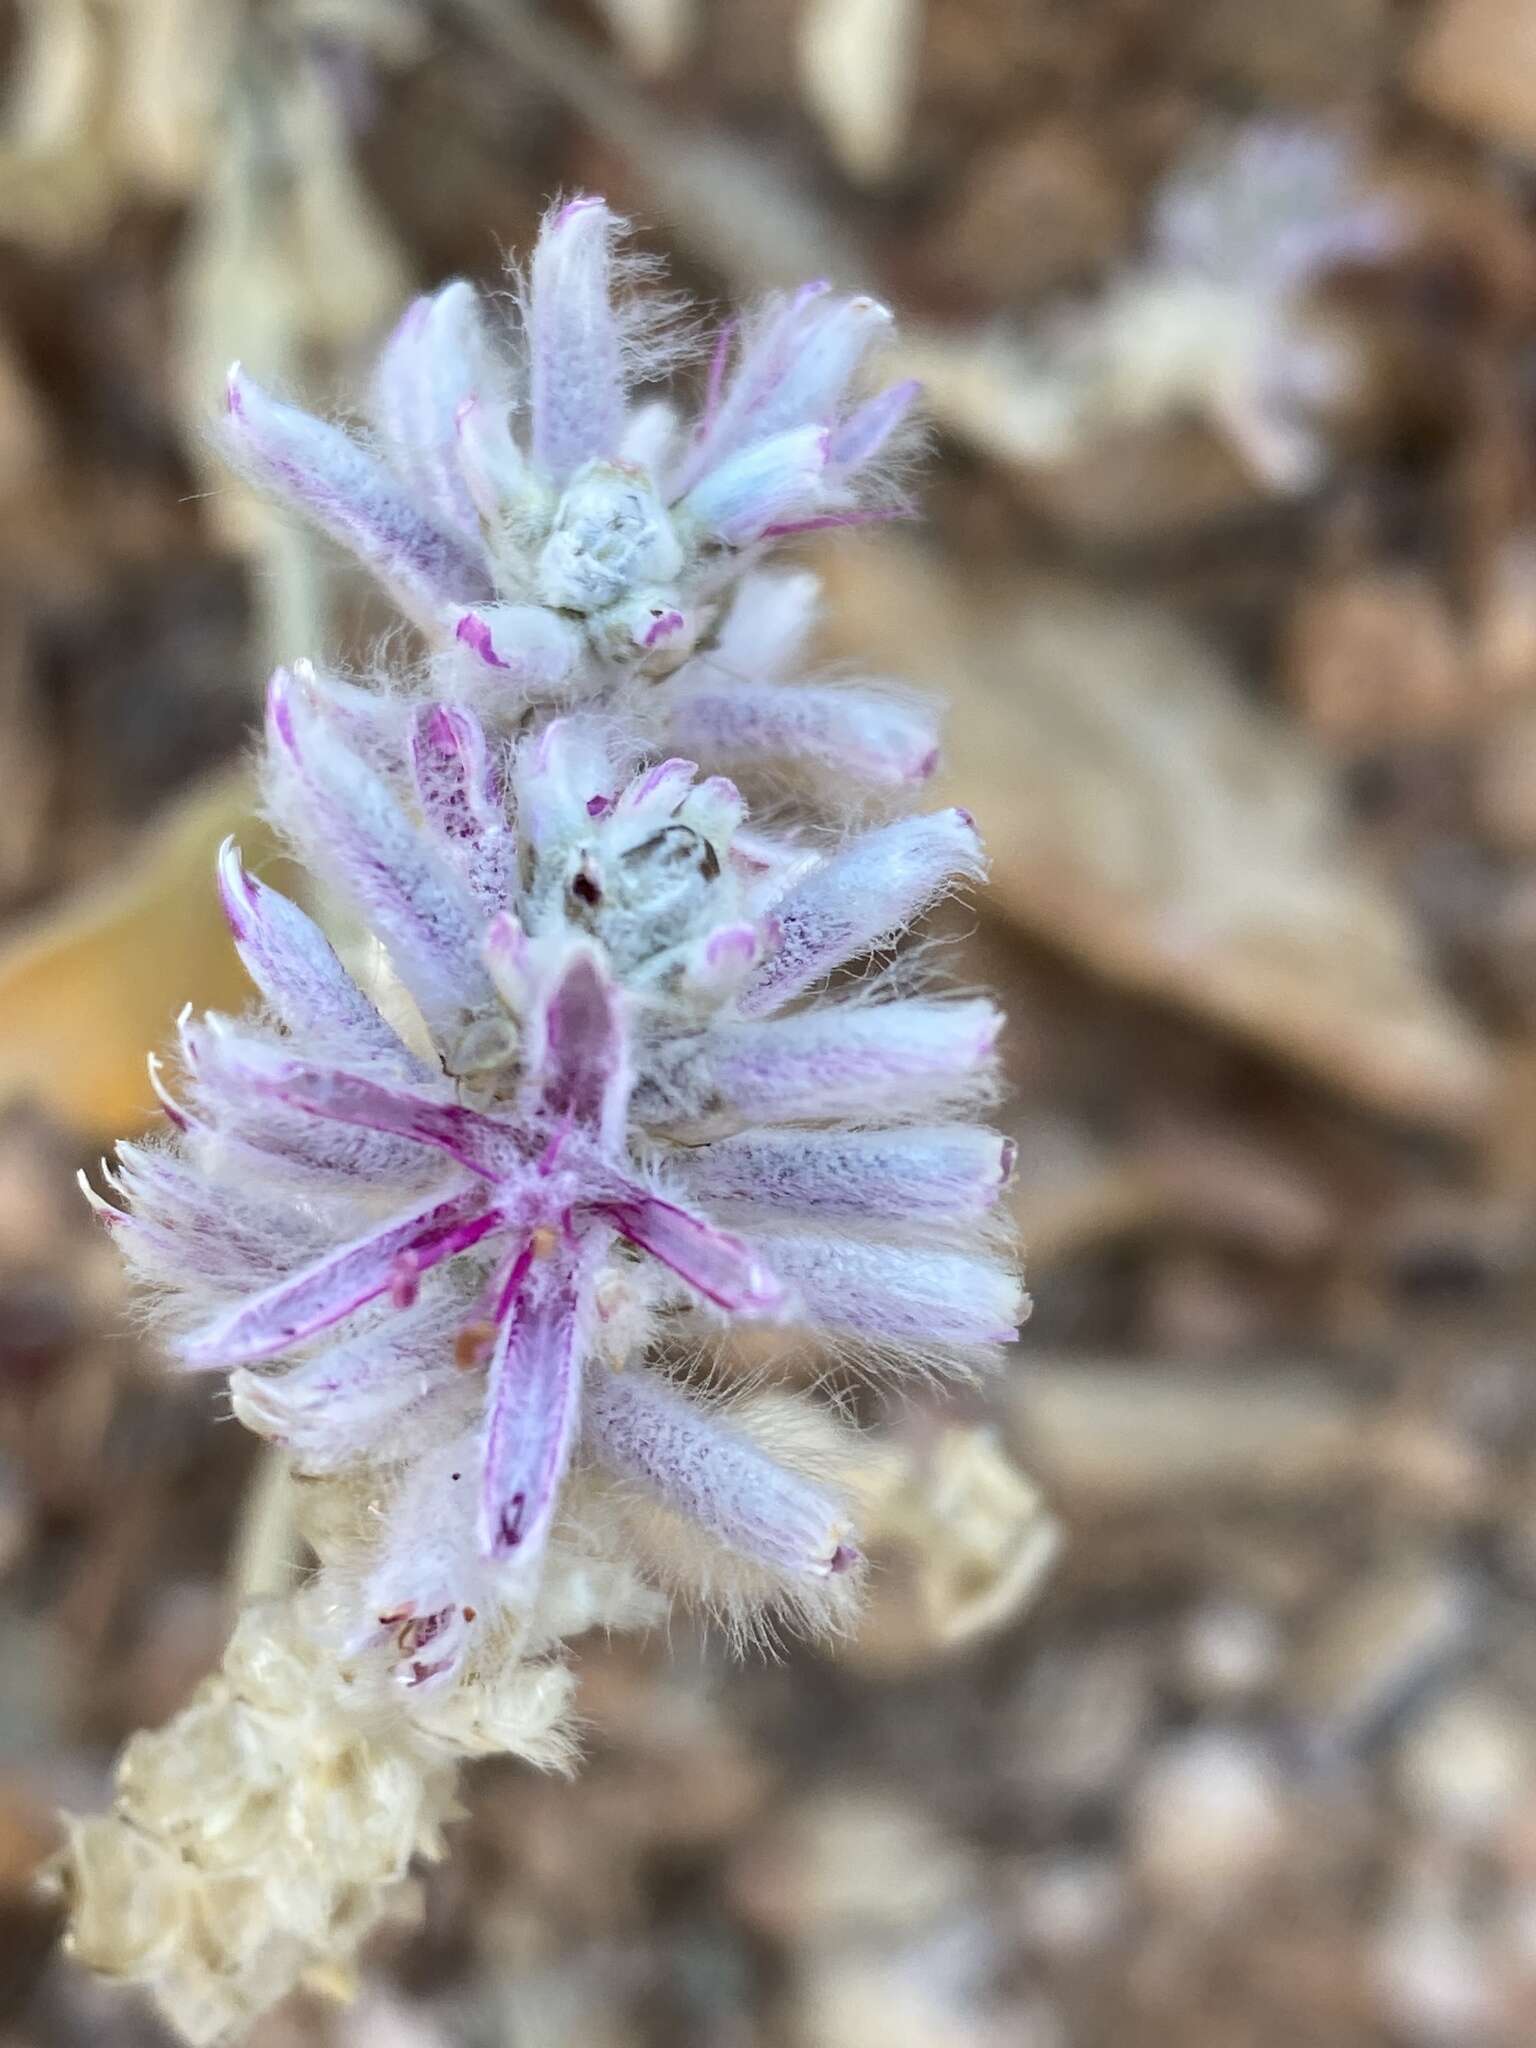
(93, 986)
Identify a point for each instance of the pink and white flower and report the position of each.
(606, 1111)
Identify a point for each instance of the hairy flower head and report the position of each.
(546, 533)
(604, 1123)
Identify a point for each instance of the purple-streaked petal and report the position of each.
(462, 799)
(244, 1129)
(312, 1159)
(862, 896)
(350, 495)
(358, 835)
(389, 1259)
(833, 336)
(532, 1405)
(516, 646)
(294, 966)
(254, 1135)
(845, 515)
(438, 358)
(904, 1294)
(479, 1143)
(868, 427)
(736, 401)
(365, 1397)
(579, 1050)
(953, 1171)
(643, 1429)
(885, 740)
(722, 1267)
(766, 483)
(451, 770)
(182, 1224)
(835, 1061)
(575, 343)
(793, 369)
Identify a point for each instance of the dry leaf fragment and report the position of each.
(962, 1538)
(94, 984)
(1060, 179)
(289, 266)
(1375, 655)
(1143, 815)
(1115, 1434)
(1476, 65)
(30, 768)
(654, 35)
(858, 67)
(763, 229)
(113, 99)
(1378, 1643)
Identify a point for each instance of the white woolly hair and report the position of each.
(885, 480)
(513, 1692)
(819, 802)
(756, 1607)
(658, 330)
(837, 1364)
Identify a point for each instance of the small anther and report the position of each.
(472, 1346)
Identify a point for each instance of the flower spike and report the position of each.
(564, 1076)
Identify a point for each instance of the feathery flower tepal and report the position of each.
(469, 1229)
